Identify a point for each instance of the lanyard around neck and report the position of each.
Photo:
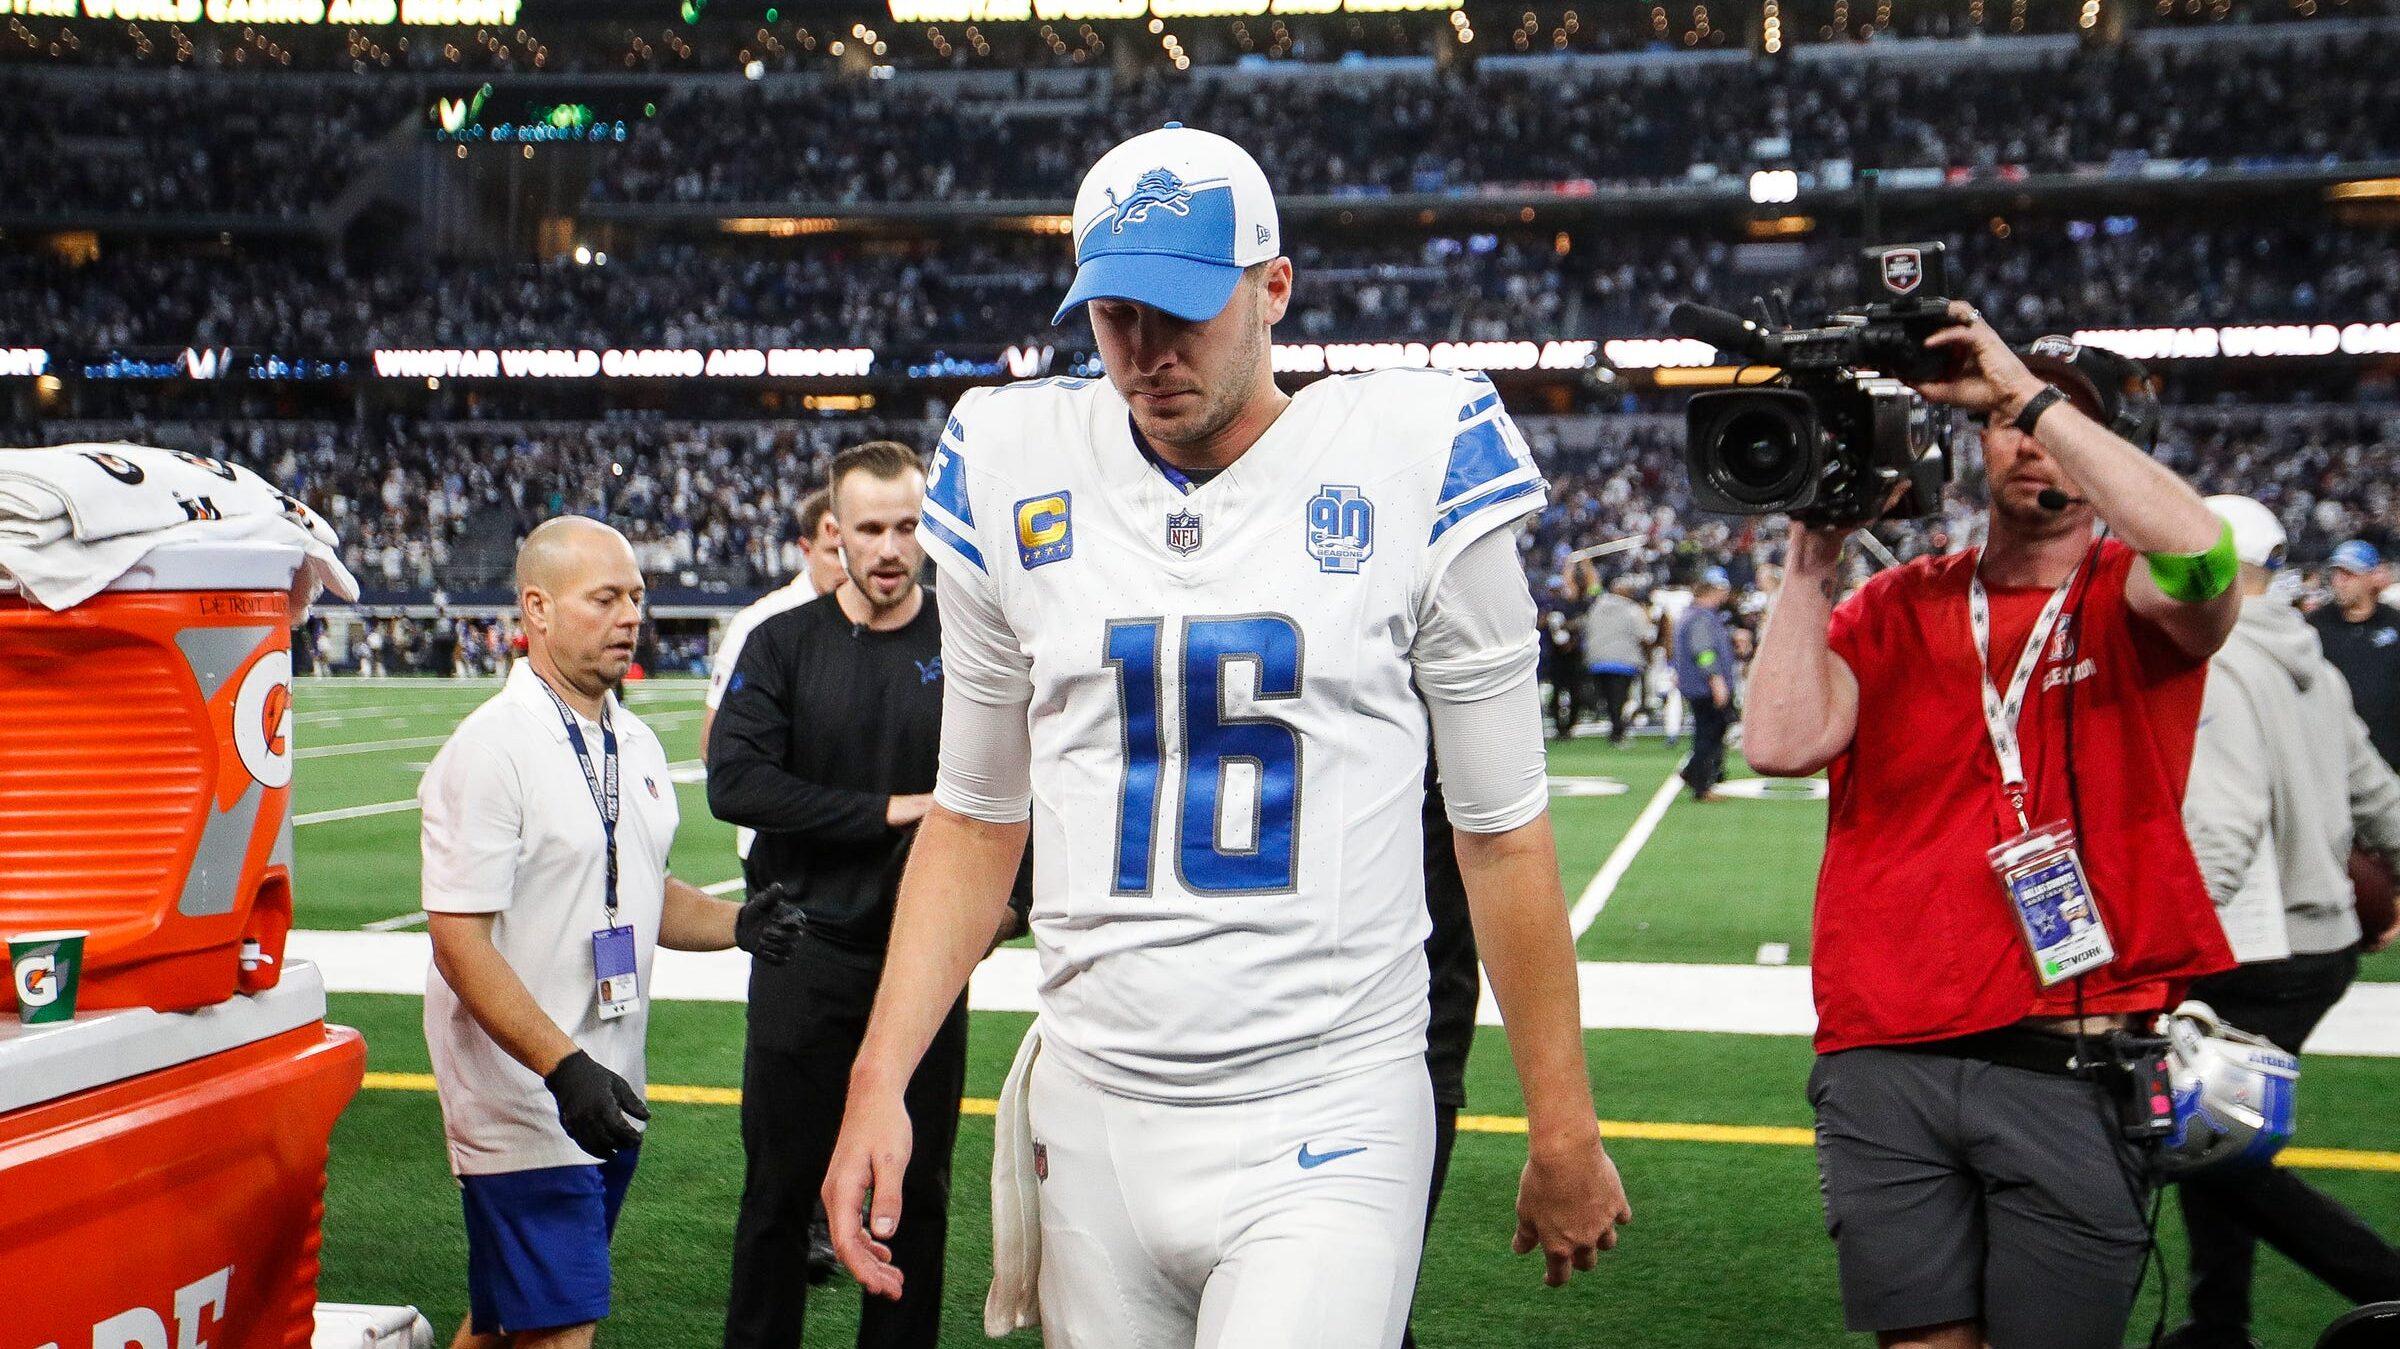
(2002, 712)
(602, 781)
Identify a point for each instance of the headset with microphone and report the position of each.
(2051, 499)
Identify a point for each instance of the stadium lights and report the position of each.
(24, 362)
(2247, 340)
(1774, 187)
(304, 13)
(625, 363)
(2365, 189)
(779, 227)
(1677, 362)
(1713, 376)
(1051, 11)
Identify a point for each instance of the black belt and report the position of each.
(2035, 1051)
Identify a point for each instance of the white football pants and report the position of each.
(1296, 1220)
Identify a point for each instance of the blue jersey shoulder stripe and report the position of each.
(1479, 457)
(1494, 497)
(957, 542)
(1468, 413)
(946, 481)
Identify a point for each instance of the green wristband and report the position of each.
(2196, 578)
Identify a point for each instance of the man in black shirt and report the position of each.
(2362, 640)
(826, 744)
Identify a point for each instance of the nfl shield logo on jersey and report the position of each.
(1341, 529)
(1183, 532)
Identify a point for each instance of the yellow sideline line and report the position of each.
(1757, 1135)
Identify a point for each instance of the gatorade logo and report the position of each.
(262, 719)
(37, 981)
(276, 719)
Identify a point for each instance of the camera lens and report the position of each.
(1759, 455)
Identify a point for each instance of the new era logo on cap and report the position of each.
(1169, 219)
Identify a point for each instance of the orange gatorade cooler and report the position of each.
(164, 1172)
(146, 773)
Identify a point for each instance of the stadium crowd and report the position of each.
(2043, 276)
(213, 146)
(715, 502)
(197, 147)
(861, 143)
(723, 41)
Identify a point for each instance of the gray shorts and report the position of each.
(1960, 1190)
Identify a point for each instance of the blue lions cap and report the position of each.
(1169, 219)
(2356, 555)
(1715, 576)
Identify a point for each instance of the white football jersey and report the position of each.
(1228, 758)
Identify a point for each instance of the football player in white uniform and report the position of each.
(1194, 634)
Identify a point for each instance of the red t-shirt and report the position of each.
(1914, 939)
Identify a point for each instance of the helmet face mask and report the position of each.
(2234, 1095)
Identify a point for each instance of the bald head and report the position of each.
(581, 592)
(563, 549)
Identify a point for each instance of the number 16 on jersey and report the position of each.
(1185, 706)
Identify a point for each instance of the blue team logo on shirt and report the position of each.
(1159, 189)
(1341, 529)
(929, 671)
(1045, 530)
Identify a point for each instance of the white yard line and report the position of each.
(1721, 999)
(1620, 860)
(405, 920)
(369, 747)
(354, 812)
(722, 887)
(436, 741)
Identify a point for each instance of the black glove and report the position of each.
(769, 924)
(593, 1104)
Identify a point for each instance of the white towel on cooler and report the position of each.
(75, 518)
(102, 491)
(1014, 1301)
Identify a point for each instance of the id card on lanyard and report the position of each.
(616, 982)
(2039, 870)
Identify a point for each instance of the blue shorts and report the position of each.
(537, 1244)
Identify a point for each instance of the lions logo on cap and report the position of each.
(2063, 348)
(1158, 188)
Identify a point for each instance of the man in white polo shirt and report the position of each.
(548, 818)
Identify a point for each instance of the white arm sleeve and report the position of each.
(986, 768)
(1475, 657)
(987, 760)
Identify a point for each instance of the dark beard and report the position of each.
(859, 584)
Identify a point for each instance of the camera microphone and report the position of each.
(1725, 331)
(2051, 499)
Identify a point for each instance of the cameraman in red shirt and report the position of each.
(2006, 877)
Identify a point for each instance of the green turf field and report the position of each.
(1728, 1248)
